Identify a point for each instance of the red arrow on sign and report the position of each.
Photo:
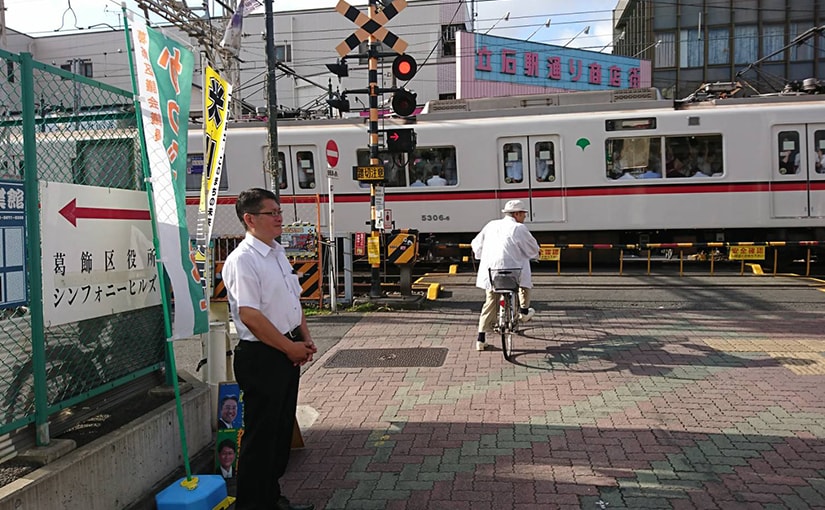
(72, 213)
(394, 136)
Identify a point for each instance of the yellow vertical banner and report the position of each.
(217, 94)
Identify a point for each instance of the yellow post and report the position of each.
(808, 263)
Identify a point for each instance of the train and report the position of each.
(604, 167)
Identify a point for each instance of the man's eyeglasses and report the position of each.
(274, 214)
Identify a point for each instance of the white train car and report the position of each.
(602, 167)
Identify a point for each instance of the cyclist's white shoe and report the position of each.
(525, 317)
(480, 346)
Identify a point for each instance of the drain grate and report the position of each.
(378, 358)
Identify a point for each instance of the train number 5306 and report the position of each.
(434, 217)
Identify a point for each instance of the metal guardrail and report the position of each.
(717, 255)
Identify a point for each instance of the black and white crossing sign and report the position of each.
(374, 27)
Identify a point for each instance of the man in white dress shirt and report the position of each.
(274, 341)
(504, 244)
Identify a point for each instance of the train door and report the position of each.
(797, 178)
(816, 170)
(528, 170)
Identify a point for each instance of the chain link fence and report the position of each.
(72, 130)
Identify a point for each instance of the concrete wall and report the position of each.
(119, 468)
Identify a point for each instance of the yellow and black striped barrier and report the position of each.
(402, 247)
(309, 274)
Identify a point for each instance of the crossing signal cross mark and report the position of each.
(374, 27)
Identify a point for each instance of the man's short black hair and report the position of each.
(251, 201)
(229, 397)
(227, 443)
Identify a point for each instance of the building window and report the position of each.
(718, 49)
(773, 39)
(746, 44)
(448, 39)
(691, 49)
(805, 50)
(83, 68)
(665, 55)
(283, 52)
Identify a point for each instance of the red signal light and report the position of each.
(404, 67)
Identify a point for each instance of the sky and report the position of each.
(49, 17)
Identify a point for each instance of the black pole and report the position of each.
(375, 276)
(272, 101)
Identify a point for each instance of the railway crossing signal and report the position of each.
(371, 27)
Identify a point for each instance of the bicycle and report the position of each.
(505, 283)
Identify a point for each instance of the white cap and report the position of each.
(514, 206)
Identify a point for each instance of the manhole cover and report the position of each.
(377, 358)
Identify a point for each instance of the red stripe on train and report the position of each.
(596, 191)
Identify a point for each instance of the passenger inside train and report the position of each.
(545, 167)
(513, 168)
(789, 152)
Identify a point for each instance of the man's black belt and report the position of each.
(294, 335)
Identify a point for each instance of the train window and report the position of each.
(819, 151)
(633, 158)
(194, 173)
(305, 166)
(788, 152)
(630, 124)
(693, 156)
(545, 162)
(394, 171)
(513, 164)
(433, 166)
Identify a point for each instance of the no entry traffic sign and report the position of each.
(332, 153)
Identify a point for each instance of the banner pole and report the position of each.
(172, 371)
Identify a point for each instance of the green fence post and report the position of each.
(33, 255)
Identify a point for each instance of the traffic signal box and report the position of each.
(400, 140)
(404, 102)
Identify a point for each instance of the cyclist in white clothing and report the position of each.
(504, 244)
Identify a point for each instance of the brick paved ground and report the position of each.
(599, 410)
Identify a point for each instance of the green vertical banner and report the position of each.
(164, 82)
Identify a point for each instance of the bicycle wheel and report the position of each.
(506, 326)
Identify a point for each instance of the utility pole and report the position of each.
(3, 24)
(272, 102)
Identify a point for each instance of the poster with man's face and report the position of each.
(230, 406)
(226, 454)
